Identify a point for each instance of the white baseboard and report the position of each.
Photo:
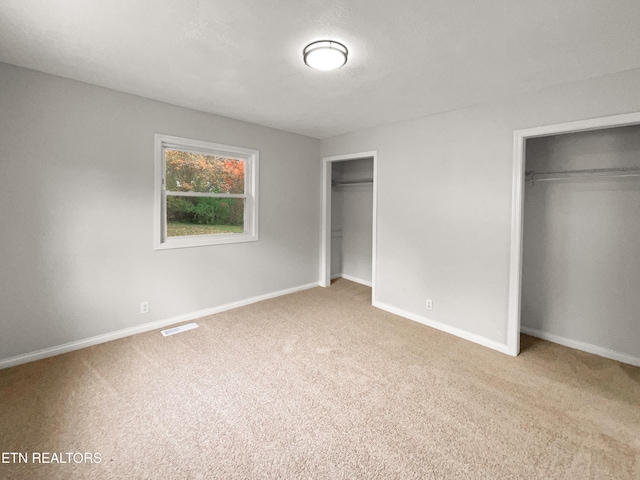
(500, 347)
(107, 337)
(356, 279)
(585, 347)
(351, 279)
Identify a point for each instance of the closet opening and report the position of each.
(575, 258)
(349, 219)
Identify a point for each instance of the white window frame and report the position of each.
(250, 157)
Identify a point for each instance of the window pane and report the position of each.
(204, 216)
(199, 172)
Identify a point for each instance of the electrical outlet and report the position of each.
(429, 304)
(144, 307)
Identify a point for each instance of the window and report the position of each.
(206, 193)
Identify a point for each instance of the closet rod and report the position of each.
(587, 173)
(368, 181)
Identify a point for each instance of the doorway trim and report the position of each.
(325, 244)
(517, 205)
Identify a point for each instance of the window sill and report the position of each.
(205, 240)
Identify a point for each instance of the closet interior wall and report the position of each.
(581, 241)
(336, 220)
(352, 220)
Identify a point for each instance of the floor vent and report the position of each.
(181, 328)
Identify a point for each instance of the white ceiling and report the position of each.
(243, 58)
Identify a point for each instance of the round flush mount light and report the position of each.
(325, 55)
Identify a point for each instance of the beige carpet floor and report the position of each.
(320, 385)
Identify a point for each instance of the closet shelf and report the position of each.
(351, 183)
(587, 173)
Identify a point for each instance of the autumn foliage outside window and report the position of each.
(201, 173)
(197, 172)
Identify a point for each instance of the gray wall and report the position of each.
(356, 213)
(581, 254)
(452, 175)
(76, 214)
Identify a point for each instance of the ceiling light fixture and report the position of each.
(325, 55)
